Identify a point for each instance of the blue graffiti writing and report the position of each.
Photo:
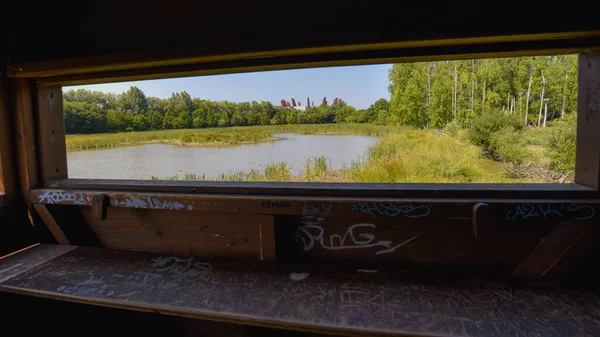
(573, 211)
(389, 209)
(316, 209)
(588, 211)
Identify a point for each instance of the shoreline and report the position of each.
(177, 143)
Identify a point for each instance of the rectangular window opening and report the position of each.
(507, 120)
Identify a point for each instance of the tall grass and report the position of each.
(279, 172)
(424, 156)
(315, 169)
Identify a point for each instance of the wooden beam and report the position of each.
(351, 190)
(8, 177)
(25, 136)
(267, 237)
(51, 133)
(410, 208)
(554, 248)
(587, 163)
(54, 228)
(99, 206)
(408, 55)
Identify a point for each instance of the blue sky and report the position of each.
(360, 86)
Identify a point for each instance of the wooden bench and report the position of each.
(307, 298)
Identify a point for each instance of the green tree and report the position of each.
(139, 122)
(83, 117)
(133, 102)
(154, 119)
(118, 120)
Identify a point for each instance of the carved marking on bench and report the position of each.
(389, 209)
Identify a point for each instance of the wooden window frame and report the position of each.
(39, 103)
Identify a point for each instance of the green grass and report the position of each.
(279, 172)
(425, 156)
(219, 136)
(537, 136)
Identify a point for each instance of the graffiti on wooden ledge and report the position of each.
(311, 232)
(55, 197)
(389, 209)
(316, 209)
(571, 211)
(150, 203)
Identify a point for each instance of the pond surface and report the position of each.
(163, 160)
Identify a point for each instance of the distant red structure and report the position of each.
(309, 103)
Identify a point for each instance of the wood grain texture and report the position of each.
(53, 227)
(587, 163)
(26, 137)
(553, 248)
(51, 130)
(216, 234)
(26, 259)
(267, 237)
(324, 300)
(388, 241)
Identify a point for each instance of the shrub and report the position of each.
(508, 145)
(451, 129)
(485, 125)
(562, 145)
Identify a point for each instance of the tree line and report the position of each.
(423, 95)
(533, 89)
(96, 112)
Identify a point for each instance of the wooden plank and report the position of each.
(8, 177)
(553, 248)
(219, 234)
(384, 242)
(99, 206)
(353, 190)
(409, 55)
(403, 208)
(25, 137)
(162, 58)
(54, 228)
(267, 237)
(51, 131)
(587, 162)
(326, 299)
(28, 258)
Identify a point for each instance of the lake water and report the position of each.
(162, 160)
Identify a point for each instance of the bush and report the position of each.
(451, 129)
(562, 145)
(508, 145)
(485, 125)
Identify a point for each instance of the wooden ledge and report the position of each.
(361, 302)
